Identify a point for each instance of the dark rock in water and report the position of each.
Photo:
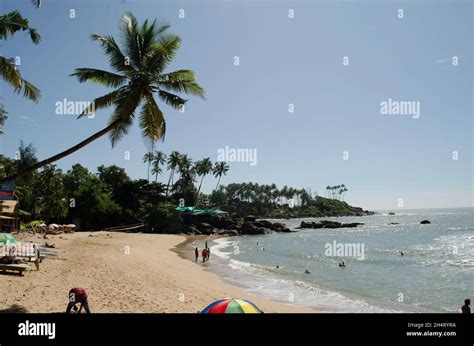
(263, 230)
(257, 224)
(329, 224)
(393, 223)
(425, 222)
(391, 213)
(249, 218)
(205, 228)
(278, 227)
(286, 230)
(266, 224)
(305, 224)
(351, 225)
(231, 233)
(248, 228)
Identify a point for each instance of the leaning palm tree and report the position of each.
(139, 63)
(220, 169)
(173, 161)
(203, 168)
(11, 23)
(158, 161)
(148, 158)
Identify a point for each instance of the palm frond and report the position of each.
(152, 121)
(171, 99)
(93, 75)
(105, 101)
(116, 58)
(124, 114)
(12, 22)
(183, 81)
(12, 76)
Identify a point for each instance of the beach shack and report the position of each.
(9, 216)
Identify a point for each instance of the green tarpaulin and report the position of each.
(195, 211)
(8, 238)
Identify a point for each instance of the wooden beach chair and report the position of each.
(20, 268)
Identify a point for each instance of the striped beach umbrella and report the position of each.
(232, 306)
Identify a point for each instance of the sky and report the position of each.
(336, 133)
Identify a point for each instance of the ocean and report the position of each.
(435, 273)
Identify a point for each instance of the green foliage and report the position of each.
(32, 225)
(162, 218)
(90, 199)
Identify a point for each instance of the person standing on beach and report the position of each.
(208, 253)
(465, 308)
(196, 253)
(206, 244)
(204, 254)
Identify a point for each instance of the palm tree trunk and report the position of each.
(61, 154)
(169, 182)
(148, 172)
(199, 189)
(218, 181)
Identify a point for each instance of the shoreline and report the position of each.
(151, 278)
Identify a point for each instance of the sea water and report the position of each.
(435, 274)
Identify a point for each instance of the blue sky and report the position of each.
(282, 61)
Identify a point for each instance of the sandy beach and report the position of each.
(122, 272)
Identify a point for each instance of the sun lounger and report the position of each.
(20, 268)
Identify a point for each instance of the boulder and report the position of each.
(278, 226)
(248, 228)
(391, 213)
(425, 222)
(351, 224)
(305, 224)
(205, 228)
(249, 218)
(266, 224)
(231, 233)
(393, 223)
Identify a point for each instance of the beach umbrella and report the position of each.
(232, 306)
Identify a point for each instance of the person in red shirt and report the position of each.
(204, 255)
(78, 295)
(196, 253)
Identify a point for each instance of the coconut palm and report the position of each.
(3, 117)
(220, 168)
(158, 161)
(139, 63)
(173, 162)
(148, 158)
(11, 23)
(203, 168)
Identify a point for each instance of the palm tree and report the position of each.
(220, 168)
(203, 168)
(148, 158)
(3, 117)
(37, 3)
(139, 63)
(173, 161)
(11, 23)
(158, 160)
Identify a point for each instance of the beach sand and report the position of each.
(151, 278)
